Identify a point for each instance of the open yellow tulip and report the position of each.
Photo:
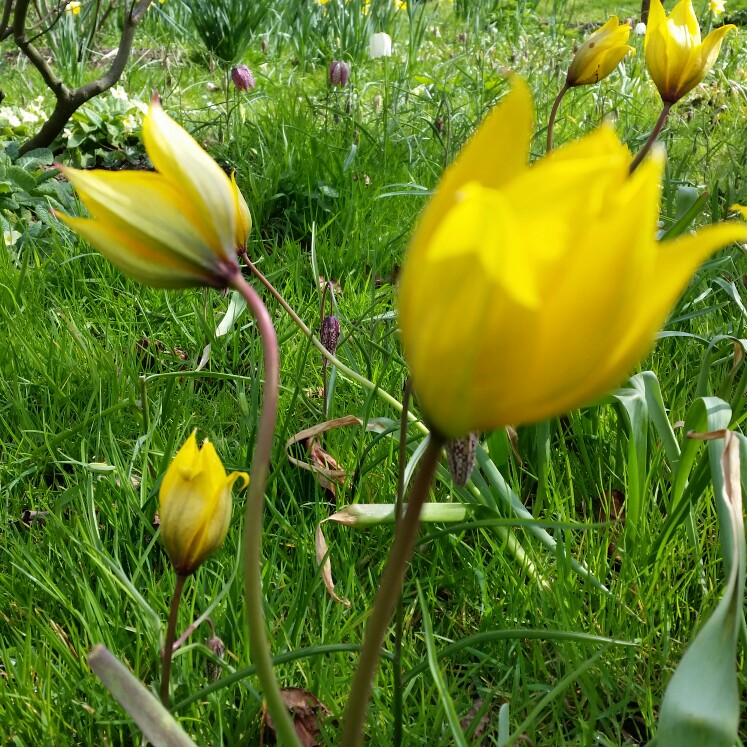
(195, 505)
(530, 290)
(176, 227)
(675, 56)
(600, 54)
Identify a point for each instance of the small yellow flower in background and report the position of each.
(176, 227)
(528, 291)
(675, 56)
(717, 7)
(600, 54)
(400, 4)
(73, 7)
(195, 505)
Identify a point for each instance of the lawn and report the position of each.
(587, 550)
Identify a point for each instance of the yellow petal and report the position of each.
(495, 154)
(177, 156)
(141, 261)
(149, 208)
(244, 223)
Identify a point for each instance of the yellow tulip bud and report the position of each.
(531, 290)
(176, 227)
(677, 60)
(600, 54)
(195, 505)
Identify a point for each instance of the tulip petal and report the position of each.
(683, 16)
(496, 154)
(139, 260)
(244, 222)
(177, 156)
(148, 207)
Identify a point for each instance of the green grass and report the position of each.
(338, 180)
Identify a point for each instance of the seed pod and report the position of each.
(460, 456)
(330, 335)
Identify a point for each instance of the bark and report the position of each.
(68, 100)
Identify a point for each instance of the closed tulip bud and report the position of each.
(195, 505)
(600, 54)
(380, 45)
(242, 78)
(528, 291)
(330, 334)
(339, 73)
(176, 227)
(677, 60)
(460, 457)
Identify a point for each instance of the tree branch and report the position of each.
(69, 101)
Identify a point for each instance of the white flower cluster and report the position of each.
(16, 116)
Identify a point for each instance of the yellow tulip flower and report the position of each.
(195, 505)
(675, 56)
(600, 54)
(176, 227)
(531, 290)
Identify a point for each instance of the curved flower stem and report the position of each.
(390, 588)
(168, 648)
(341, 367)
(651, 138)
(554, 113)
(399, 612)
(259, 645)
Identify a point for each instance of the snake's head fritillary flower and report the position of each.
(600, 54)
(195, 505)
(675, 56)
(242, 78)
(380, 45)
(176, 227)
(339, 73)
(529, 290)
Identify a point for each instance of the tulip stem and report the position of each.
(651, 138)
(258, 642)
(390, 588)
(168, 648)
(554, 113)
(341, 367)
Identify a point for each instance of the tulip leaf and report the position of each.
(706, 415)
(701, 702)
(154, 720)
(633, 411)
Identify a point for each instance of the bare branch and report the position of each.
(6, 29)
(69, 101)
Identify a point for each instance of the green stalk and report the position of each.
(258, 642)
(390, 588)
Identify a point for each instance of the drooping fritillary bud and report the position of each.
(242, 78)
(339, 73)
(213, 670)
(460, 456)
(330, 335)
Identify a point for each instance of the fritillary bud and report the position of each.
(460, 456)
(242, 77)
(330, 335)
(339, 73)
(213, 670)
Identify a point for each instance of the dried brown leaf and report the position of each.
(322, 560)
(306, 710)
